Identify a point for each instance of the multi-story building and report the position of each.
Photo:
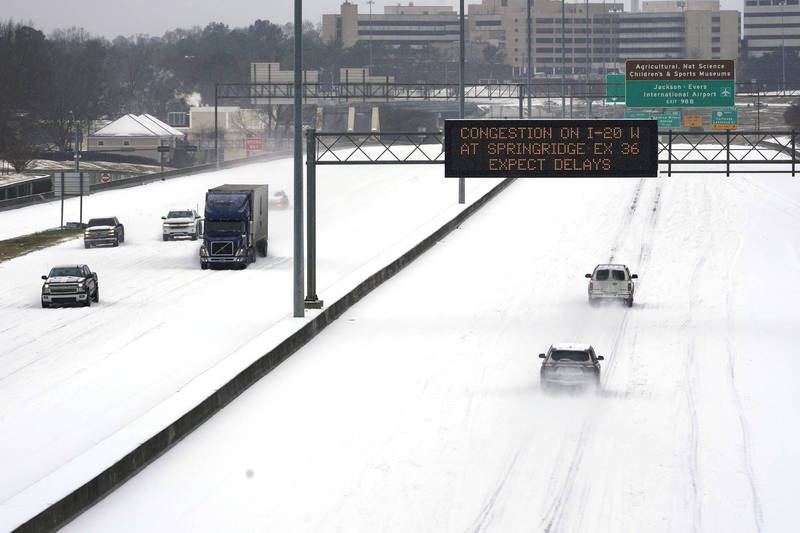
(588, 40)
(598, 36)
(687, 34)
(412, 25)
(771, 26)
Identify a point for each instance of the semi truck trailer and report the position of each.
(236, 226)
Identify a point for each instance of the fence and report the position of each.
(714, 152)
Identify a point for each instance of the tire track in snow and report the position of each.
(692, 460)
(758, 515)
(554, 513)
(484, 517)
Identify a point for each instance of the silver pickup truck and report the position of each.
(612, 281)
(70, 284)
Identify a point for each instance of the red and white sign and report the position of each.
(105, 177)
(254, 144)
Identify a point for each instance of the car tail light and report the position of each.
(591, 286)
(548, 364)
(587, 366)
(629, 287)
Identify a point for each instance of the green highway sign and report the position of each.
(724, 119)
(679, 83)
(615, 88)
(637, 114)
(668, 120)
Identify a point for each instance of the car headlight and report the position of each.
(46, 287)
(85, 233)
(240, 253)
(80, 285)
(203, 252)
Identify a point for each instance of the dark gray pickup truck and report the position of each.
(107, 230)
(70, 284)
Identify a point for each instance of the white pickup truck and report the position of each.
(611, 281)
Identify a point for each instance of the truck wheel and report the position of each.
(116, 243)
(194, 235)
(97, 294)
(203, 266)
(166, 237)
(629, 302)
(45, 305)
(262, 248)
(88, 299)
(86, 245)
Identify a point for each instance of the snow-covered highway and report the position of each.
(72, 378)
(420, 409)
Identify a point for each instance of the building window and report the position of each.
(100, 143)
(503, 3)
(126, 143)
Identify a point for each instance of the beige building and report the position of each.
(771, 26)
(598, 36)
(140, 135)
(410, 24)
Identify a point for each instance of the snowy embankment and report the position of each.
(74, 381)
(420, 409)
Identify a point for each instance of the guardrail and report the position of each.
(139, 179)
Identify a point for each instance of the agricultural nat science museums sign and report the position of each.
(550, 148)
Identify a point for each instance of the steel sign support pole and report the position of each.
(216, 128)
(80, 215)
(311, 301)
(461, 183)
(299, 310)
(62, 200)
(75, 153)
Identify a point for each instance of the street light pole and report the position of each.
(528, 80)
(369, 35)
(298, 272)
(563, 65)
(461, 182)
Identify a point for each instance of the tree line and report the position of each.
(48, 82)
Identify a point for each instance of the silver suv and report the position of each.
(611, 281)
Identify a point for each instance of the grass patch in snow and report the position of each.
(11, 248)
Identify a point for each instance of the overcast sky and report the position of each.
(154, 17)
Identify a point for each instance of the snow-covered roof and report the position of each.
(137, 126)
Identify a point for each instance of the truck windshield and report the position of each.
(223, 226)
(101, 222)
(179, 214)
(65, 271)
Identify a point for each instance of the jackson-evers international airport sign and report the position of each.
(550, 148)
(679, 83)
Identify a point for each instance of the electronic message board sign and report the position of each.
(550, 148)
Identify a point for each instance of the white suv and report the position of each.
(182, 223)
(611, 281)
